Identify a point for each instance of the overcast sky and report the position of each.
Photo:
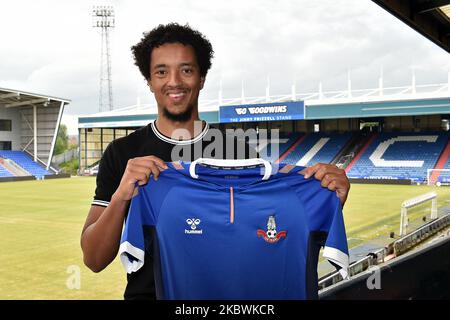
(50, 47)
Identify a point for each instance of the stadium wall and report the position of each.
(53, 176)
(12, 179)
(427, 122)
(47, 119)
(381, 181)
(13, 135)
(380, 108)
(57, 176)
(93, 142)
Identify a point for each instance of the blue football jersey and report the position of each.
(233, 231)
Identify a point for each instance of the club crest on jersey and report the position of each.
(271, 235)
(193, 223)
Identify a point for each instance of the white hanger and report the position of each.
(232, 163)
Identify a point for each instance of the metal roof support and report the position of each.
(430, 5)
(380, 83)
(35, 132)
(27, 102)
(220, 92)
(448, 81)
(29, 126)
(293, 91)
(349, 84)
(9, 95)
(242, 92)
(55, 135)
(268, 90)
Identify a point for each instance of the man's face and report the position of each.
(175, 80)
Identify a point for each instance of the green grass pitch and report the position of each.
(41, 222)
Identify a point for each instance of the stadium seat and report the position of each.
(285, 142)
(398, 155)
(3, 172)
(26, 162)
(318, 148)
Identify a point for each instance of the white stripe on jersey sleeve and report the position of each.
(338, 257)
(126, 249)
(100, 203)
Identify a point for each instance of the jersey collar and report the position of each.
(179, 142)
(233, 164)
(204, 173)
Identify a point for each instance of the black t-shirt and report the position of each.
(149, 141)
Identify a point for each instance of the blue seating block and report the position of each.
(26, 162)
(401, 151)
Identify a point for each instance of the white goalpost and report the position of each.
(438, 177)
(407, 204)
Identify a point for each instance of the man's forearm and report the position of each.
(100, 240)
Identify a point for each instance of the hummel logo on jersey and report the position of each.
(193, 223)
(271, 235)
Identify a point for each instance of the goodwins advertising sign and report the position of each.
(262, 112)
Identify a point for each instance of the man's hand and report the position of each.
(100, 238)
(331, 177)
(138, 170)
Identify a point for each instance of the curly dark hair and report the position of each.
(172, 33)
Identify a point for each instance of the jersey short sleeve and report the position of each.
(132, 243)
(108, 178)
(335, 248)
(324, 212)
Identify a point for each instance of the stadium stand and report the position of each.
(26, 162)
(285, 142)
(447, 164)
(412, 155)
(442, 163)
(364, 144)
(352, 149)
(317, 147)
